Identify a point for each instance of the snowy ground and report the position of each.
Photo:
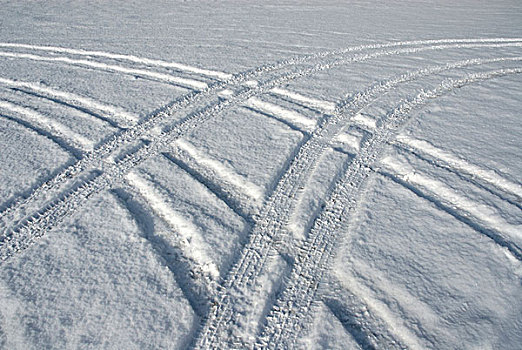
(277, 175)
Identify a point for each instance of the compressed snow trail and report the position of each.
(476, 214)
(121, 117)
(162, 77)
(348, 301)
(270, 223)
(459, 164)
(195, 246)
(365, 122)
(226, 173)
(325, 106)
(73, 138)
(290, 311)
(131, 58)
(294, 119)
(63, 195)
(227, 76)
(148, 123)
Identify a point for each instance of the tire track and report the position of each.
(313, 103)
(290, 311)
(484, 178)
(185, 272)
(128, 136)
(229, 194)
(64, 145)
(226, 76)
(131, 58)
(154, 76)
(29, 116)
(84, 112)
(118, 116)
(370, 331)
(134, 132)
(190, 237)
(481, 217)
(270, 223)
(20, 234)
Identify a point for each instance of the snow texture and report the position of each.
(261, 175)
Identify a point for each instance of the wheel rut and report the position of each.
(270, 224)
(97, 159)
(288, 315)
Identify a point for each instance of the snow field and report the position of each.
(254, 209)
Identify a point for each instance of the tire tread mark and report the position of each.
(36, 228)
(272, 219)
(148, 123)
(284, 322)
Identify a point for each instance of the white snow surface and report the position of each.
(274, 174)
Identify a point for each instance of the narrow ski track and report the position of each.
(23, 224)
(272, 219)
(290, 312)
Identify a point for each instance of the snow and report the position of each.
(276, 174)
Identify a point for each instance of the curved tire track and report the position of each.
(271, 221)
(20, 234)
(136, 131)
(289, 313)
(115, 56)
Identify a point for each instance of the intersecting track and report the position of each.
(271, 222)
(130, 58)
(48, 204)
(290, 312)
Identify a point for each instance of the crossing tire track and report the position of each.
(270, 223)
(290, 311)
(54, 191)
(49, 188)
